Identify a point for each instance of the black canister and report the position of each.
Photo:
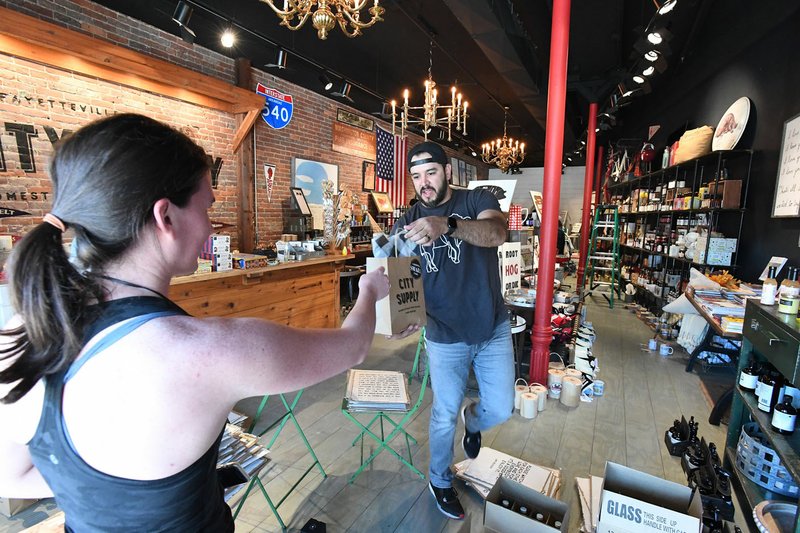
(784, 417)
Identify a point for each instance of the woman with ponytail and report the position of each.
(112, 398)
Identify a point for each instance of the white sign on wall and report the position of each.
(510, 262)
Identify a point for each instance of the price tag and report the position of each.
(278, 107)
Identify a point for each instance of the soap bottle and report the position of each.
(790, 286)
(769, 288)
(748, 377)
(769, 394)
(784, 417)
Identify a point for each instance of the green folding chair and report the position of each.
(379, 417)
(280, 422)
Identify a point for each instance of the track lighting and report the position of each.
(183, 12)
(345, 91)
(326, 82)
(280, 59)
(228, 38)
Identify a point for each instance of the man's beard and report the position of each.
(436, 200)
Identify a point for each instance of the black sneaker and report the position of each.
(471, 443)
(447, 502)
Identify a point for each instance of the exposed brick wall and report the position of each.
(309, 135)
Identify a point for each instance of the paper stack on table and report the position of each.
(483, 471)
(589, 491)
(376, 390)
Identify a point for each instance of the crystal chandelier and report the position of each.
(456, 112)
(503, 152)
(347, 14)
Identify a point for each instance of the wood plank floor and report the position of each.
(644, 393)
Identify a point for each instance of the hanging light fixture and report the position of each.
(503, 152)
(326, 14)
(455, 113)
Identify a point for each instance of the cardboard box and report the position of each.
(249, 261)
(720, 250)
(220, 262)
(635, 502)
(498, 518)
(217, 243)
(405, 304)
(11, 506)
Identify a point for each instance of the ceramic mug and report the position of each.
(665, 349)
(652, 345)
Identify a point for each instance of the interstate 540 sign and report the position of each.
(278, 107)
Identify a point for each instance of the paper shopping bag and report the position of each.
(405, 304)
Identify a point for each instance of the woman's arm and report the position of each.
(18, 477)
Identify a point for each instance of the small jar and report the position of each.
(788, 304)
(784, 417)
(748, 377)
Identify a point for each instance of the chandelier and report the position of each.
(347, 15)
(503, 152)
(455, 113)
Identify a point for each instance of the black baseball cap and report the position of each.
(436, 152)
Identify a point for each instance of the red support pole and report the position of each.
(588, 181)
(598, 177)
(542, 333)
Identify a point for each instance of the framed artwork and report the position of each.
(309, 175)
(536, 196)
(300, 200)
(454, 172)
(382, 202)
(787, 186)
(503, 190)
(368, 176)
(462, 172)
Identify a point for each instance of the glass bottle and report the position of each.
(748, 377)
(769, 394)
(784, 417)
(790, 286)
(769, 288)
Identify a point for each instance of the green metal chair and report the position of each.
(280, 422)
(379, 417)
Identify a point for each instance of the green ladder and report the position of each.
(601, 259)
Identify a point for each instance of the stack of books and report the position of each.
(376, 390)
(720, 303)
(732, 324)
(483, 472)
(243, 448)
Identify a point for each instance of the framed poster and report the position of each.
(787, 186)
(462, 172)
(368, 176)
(536, 196)
(300, 200)
(382, 202)
(309, 175)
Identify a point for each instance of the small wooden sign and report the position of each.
(353, 141)
(352, 119)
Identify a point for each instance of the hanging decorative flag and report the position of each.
(278, 107)
(11, 212)
(390, 165)
(652, 131)
(269, 174)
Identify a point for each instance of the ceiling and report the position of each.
(496, 51)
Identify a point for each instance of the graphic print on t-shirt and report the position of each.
(452, 250)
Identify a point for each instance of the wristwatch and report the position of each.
(452, 225)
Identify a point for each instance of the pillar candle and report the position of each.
(571, 391)
(554, 377)
(529, 405)
(541, 392)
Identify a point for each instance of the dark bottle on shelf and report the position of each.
(748, 377)
(771, 384)
(784, 417)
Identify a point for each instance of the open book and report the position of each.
(376, 390)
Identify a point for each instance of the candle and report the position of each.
(529, 405)
(541, 394)
(571, 391)
(405, 98)
(554, 378)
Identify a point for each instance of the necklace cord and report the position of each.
(130, 284)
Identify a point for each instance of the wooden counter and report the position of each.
(302, 294)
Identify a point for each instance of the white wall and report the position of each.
(532, 178)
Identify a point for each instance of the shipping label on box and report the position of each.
(405, 304)
(635, 502)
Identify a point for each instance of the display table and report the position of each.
(301, 294)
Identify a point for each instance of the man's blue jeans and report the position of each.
(493, 363)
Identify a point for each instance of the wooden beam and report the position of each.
(244, 128)
(80, 53)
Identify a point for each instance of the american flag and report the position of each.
(390, 166)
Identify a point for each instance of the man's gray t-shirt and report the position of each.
(461, 281)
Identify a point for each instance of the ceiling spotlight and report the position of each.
(345, 91)
(667, 7)
(326, 82)
(649, 70)
(655, 37)
(280, 60)
(228, 38)
(183, 12)
(473, 152)
(638, 79)
(651, 56)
